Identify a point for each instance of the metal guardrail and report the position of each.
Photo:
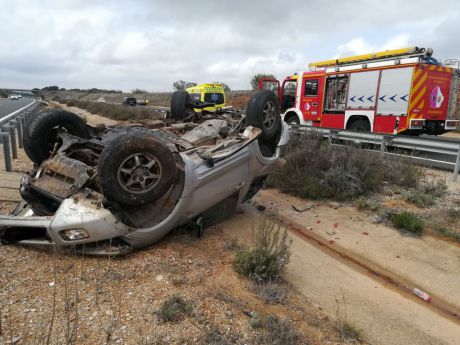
(440, 153)
(12, 129)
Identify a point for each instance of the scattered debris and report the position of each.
(421, 294)
(306, 208)
(334, 205)
(332, 233)
(260, 208)
(377, 219)
(365, 233)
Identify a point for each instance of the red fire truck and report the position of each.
(398, 91)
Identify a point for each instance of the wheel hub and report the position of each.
(139, 173)
(269, 115)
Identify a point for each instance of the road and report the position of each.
(8, 106)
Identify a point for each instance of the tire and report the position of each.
(181, 105)
(292, 120)
(263, 112)
(360, 125)
(40, 137)
(122, 175)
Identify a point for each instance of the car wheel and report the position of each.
(181, 105)
(42, 135)
(135, 169)
(360, 126)
(263, 112)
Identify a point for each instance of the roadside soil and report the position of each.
(384, 314)
(426, 263)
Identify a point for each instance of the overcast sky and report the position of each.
(150, 44)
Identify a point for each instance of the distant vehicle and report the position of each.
(19, 96)
(132, 101)
(101, 100)
(14, 97)
(396, 91)
(143, 102)
(208, 93)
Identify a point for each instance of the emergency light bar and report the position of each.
(387, 54)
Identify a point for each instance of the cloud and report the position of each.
(150, 43)
(359, 45)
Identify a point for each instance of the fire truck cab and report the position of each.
(398, 91)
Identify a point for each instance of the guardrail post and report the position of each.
(6, 150)
(384, 144)
(457, 165)
(332, 136)
(14, 148)
(19, 128)
(10, 130)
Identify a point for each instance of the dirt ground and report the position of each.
(383, 314)
(50, 297)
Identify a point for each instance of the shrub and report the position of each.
(408, 221)
(173, 308)
(279, 332)
(446, 232)
(316, 169)
(270, 292)
(453, 214)
(363, 203)
(268, 258)
(349, 332)
(425, 195)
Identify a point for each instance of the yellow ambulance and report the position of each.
(209, 93)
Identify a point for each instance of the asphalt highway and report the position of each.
(7, 106)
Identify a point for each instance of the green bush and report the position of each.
(316, 169)
(408, 221)
(268, 258)
(173, 308)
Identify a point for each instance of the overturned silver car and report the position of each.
(109, 190)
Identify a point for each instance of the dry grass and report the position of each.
(115, 111)
(265, 261)
(316, 169)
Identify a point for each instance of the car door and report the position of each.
(311, 95)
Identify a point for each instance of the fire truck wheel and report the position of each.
(360, 125)
(136, 169)
(263, 112)
(181, 105)
(42, 133)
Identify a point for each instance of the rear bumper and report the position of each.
(432, 126)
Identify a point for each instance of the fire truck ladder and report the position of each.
(374, 57)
